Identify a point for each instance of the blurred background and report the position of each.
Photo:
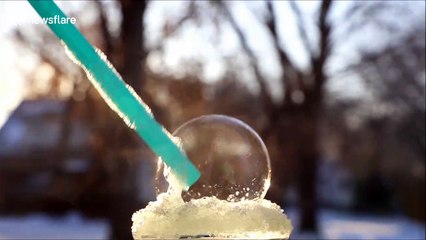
(336, 89)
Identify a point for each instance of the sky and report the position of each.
(16, 63)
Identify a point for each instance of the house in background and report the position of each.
(45, 158)
(53, 158)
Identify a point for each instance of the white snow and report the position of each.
(41, 226)
(344, 225)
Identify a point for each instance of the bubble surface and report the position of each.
(231, 157)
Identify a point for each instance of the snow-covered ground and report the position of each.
(344, 225)
(333, 225)
(39, 226)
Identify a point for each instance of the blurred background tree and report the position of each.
(276, 66)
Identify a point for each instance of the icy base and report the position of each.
(209, 217)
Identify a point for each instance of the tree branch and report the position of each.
(169, 29)
(324, 44)
(41, 51)
(253, 61)
(290, 72)
(301, 27)
(106, 36)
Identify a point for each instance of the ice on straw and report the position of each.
(101, 91)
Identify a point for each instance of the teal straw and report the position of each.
(120, 96)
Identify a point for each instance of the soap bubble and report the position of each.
(231, 157)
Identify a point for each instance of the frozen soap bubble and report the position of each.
(231, 157)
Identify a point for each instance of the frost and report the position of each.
(170, 217)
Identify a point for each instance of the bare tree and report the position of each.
(296, 116)
(396, 75)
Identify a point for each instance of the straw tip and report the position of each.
(188, 177)
(193, 179)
